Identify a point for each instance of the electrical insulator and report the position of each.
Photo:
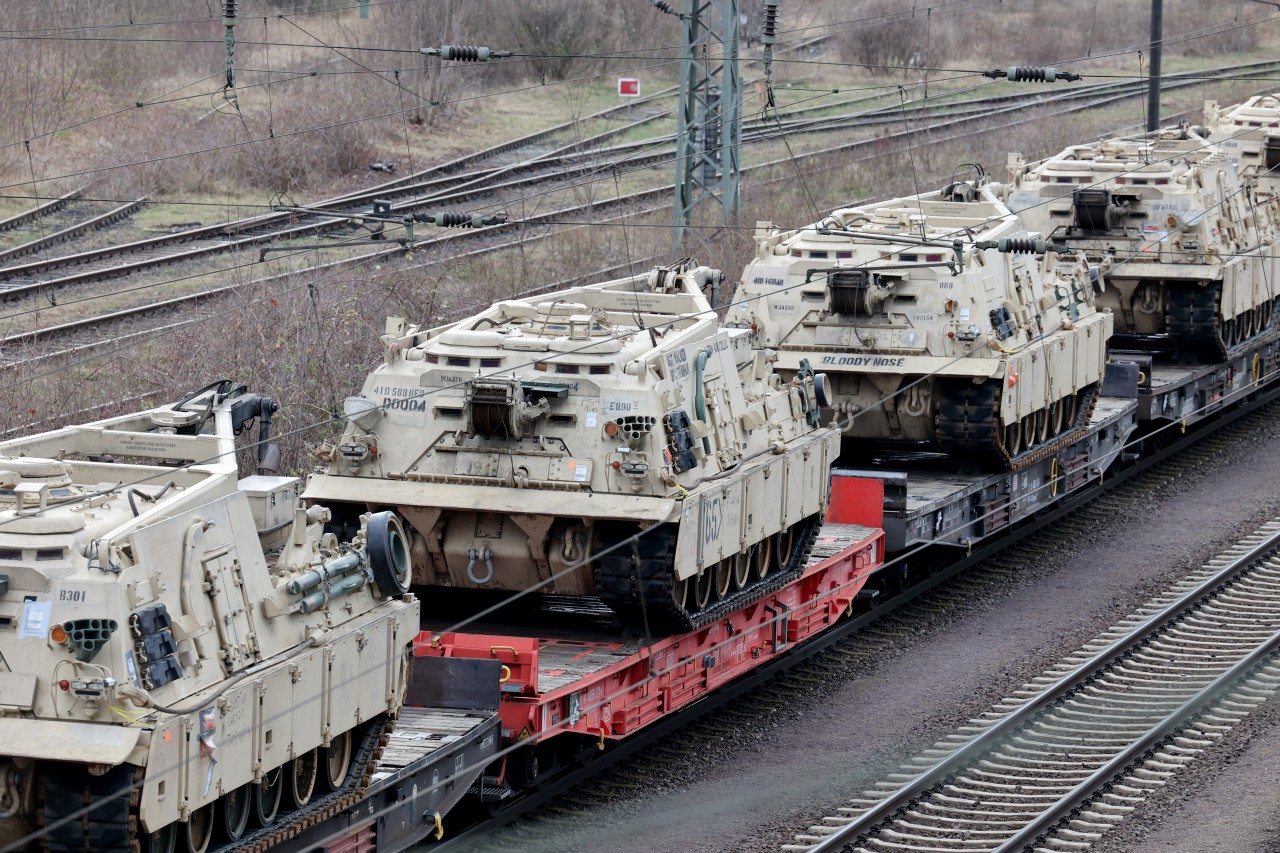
(769, 22)
(459, 220)
(663, 6)
(1030, 74)
(1021, 246)
(229, 38)
(464, 53)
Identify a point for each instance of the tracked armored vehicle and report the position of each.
(187, 656)
(609, 440)
(1249, 133)
(936, 328)
(1187, 248)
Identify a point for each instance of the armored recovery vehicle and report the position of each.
(187, 655)
(939, 326)
(1249, 133)
(610, 440)
(1187, 248)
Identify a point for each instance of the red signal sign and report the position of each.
(628, 87)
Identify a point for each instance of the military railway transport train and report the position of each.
(551, 524)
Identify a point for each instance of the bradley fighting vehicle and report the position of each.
(185, 655)
(610, 440)
(939, 325)
(1187, 248)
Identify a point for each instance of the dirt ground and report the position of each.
(754, 794)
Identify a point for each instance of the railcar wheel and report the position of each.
(702, 584)
(761, 559)
(233, 809)
(200, 829)
(267, 795)
(300, 777)
(163, 840)
(525, 767)
(741, 570)
(724, 577)
(336, 761)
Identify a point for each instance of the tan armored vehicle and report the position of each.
(1248, 133)
(527, 446)
(935, 330)
(186, 654)
(1185, 246)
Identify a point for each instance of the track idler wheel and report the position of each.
(761, 559)
(163, 840)
(784, 542)
(199, 829)
(741, 571)
(723, 572)
(300, 778)
(680, 592)
(335, 761)
(1013, 438)
(267, 796)
(233, 810)
(703, 583)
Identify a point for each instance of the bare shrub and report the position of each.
(888, 38)
(557, 36)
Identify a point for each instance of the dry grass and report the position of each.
(309, 341)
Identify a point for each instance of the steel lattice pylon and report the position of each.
(709, 120)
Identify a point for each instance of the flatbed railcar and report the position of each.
(560, 696)
(487, 712)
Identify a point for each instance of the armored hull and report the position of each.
(936, 330)
(607, 440)
(1185, 245)
(187, 655)
(1248, 133)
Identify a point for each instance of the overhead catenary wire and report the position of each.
(597, 555)
(658, 671)
(551, 222)
(460, 100)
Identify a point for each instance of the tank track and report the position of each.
(1194, 322)
(637, 579)
(109, 803)
(90, 813)
(967, 425)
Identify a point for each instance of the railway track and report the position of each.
(62, 220)
(969, 120)
(440, 185)
(28, 218)
(443, 182)
(563, 810)
(1069, 755)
